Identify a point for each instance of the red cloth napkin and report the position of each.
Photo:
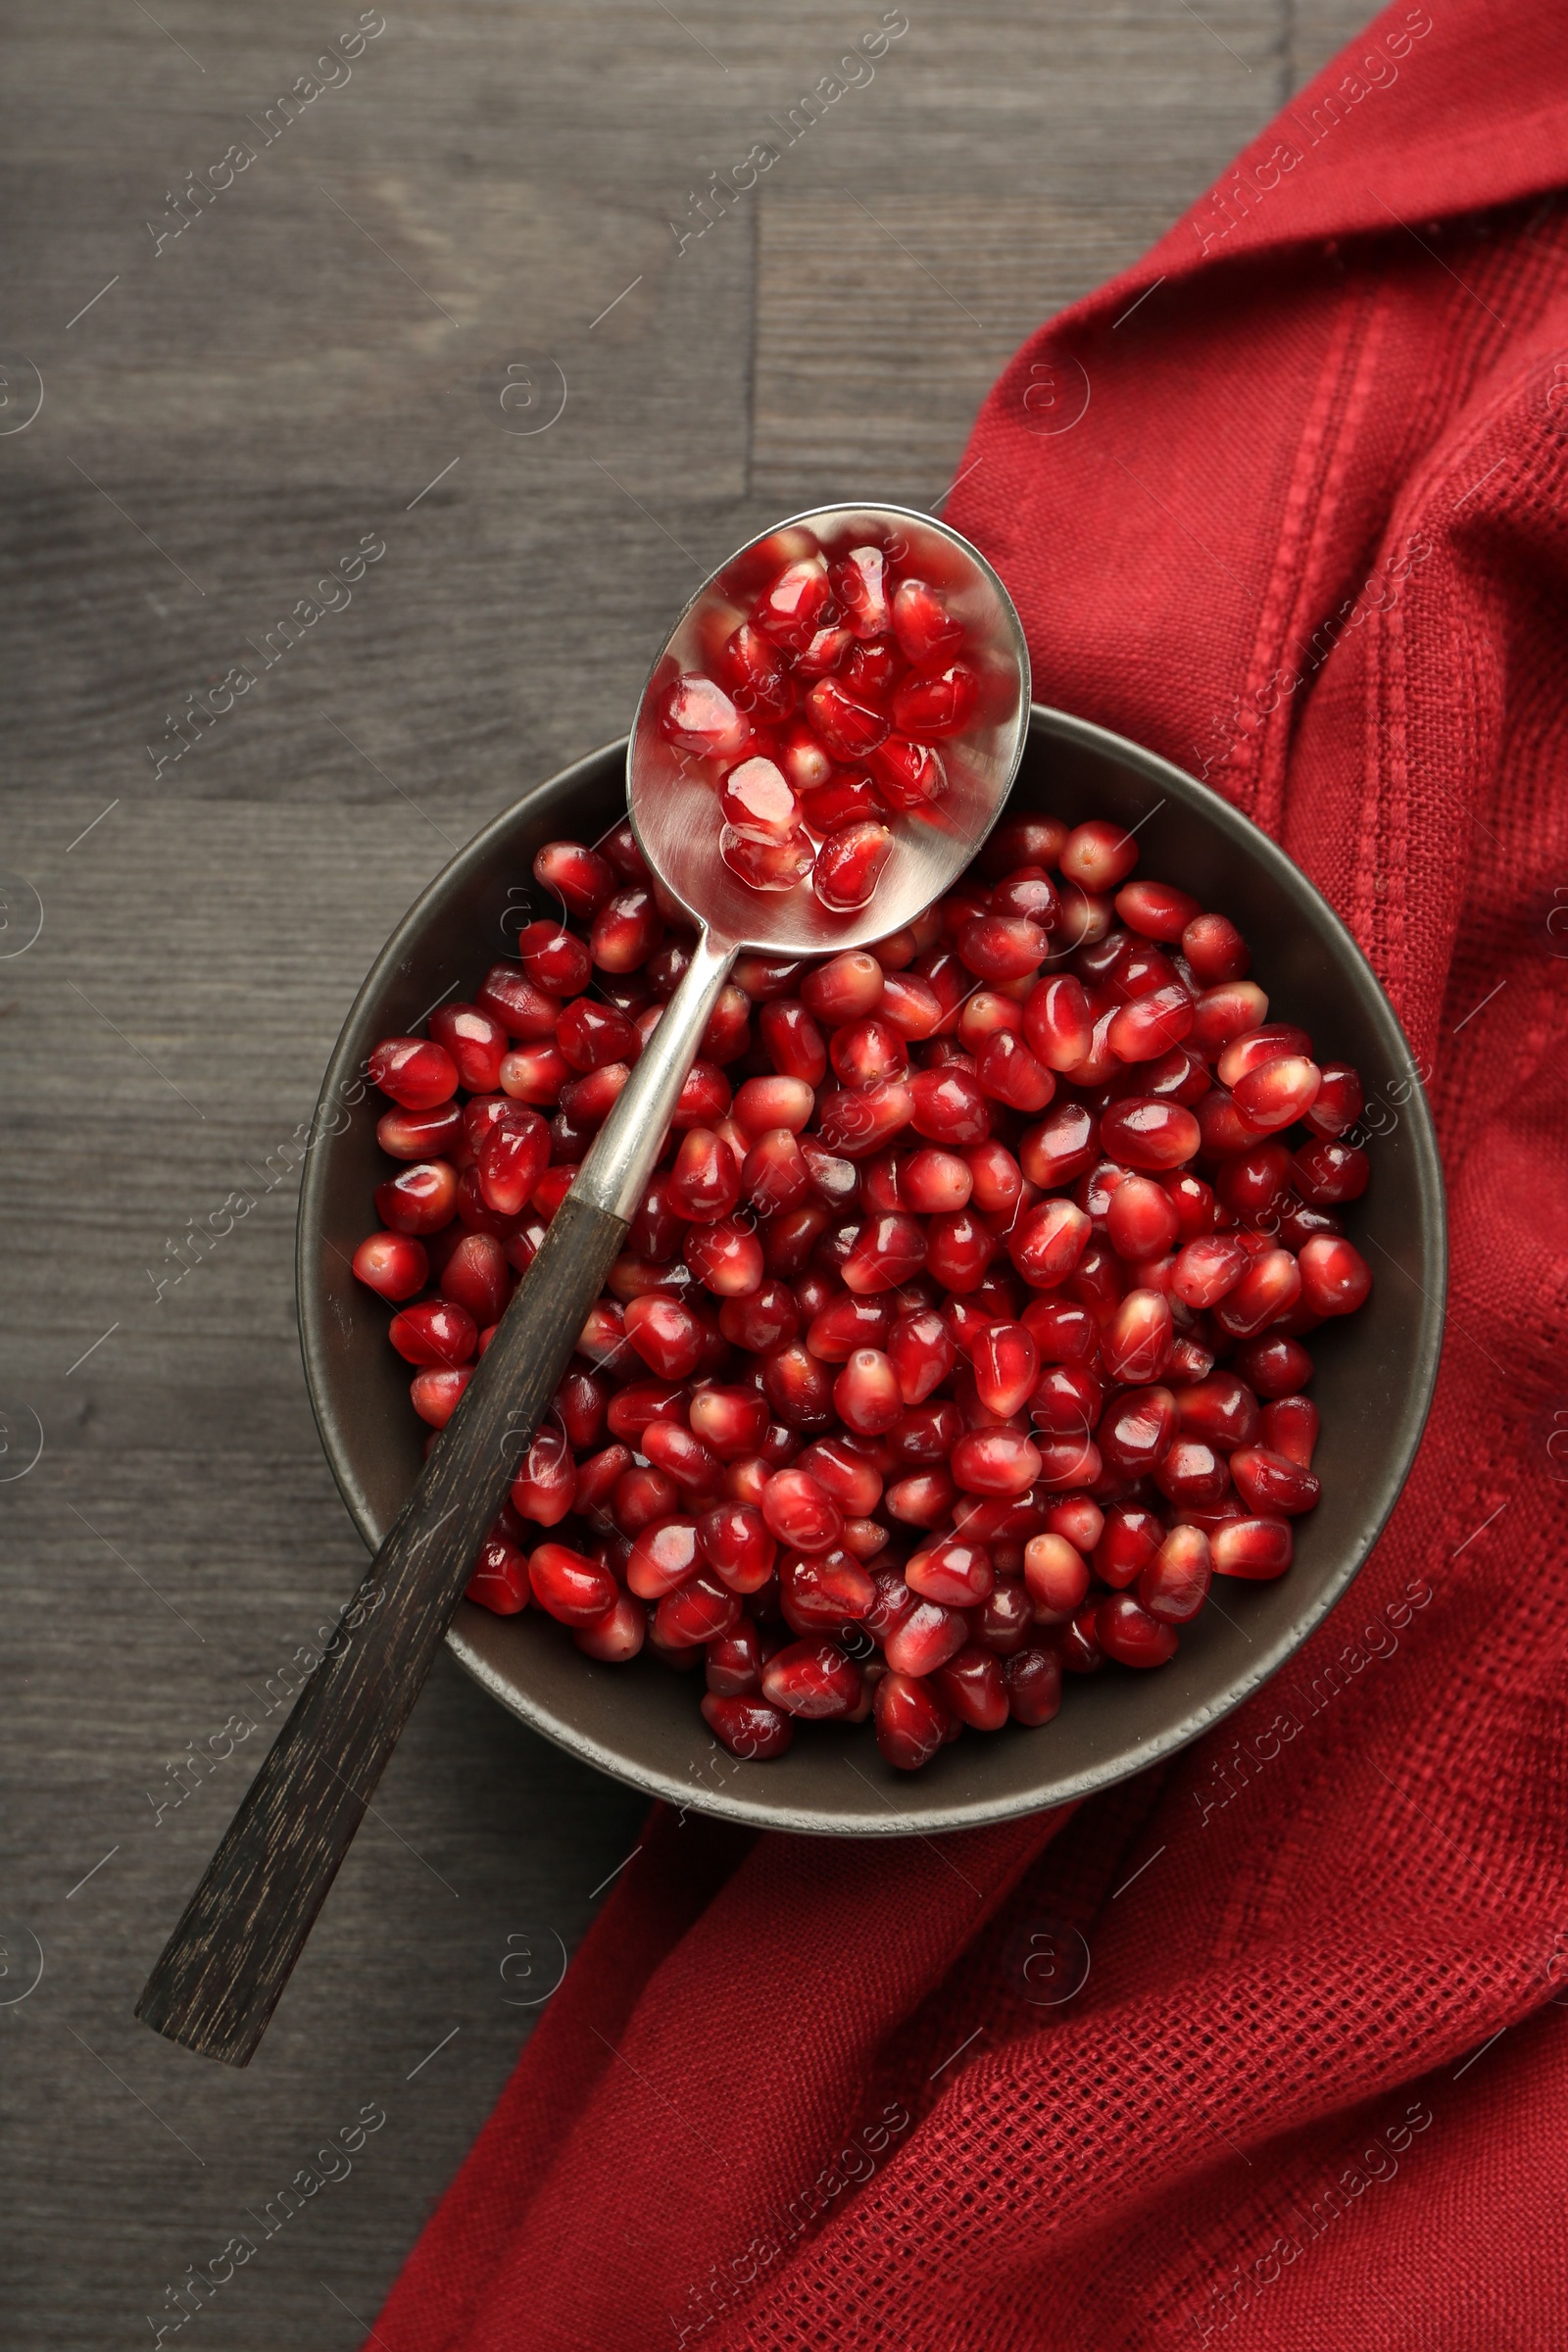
(1308, 538)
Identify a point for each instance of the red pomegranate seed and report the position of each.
(758, 802)
(925, 1636)
(1129, 1541)
(1214, 950)
(1205, 1270)
(737, 1544)
(1269, 1288)
(1007, 1366)
(1138, 1430)
(575, 874)
(1147, 1131)
(683, 1457)
(1221, 1409)
(1277, 1092)
(1274, 1367)
(1078, 1643)
(912, 1722)
(801, 1513)
(569, 1587)
(1290, 1427)
(921, 1352)
(435, 1333)
(416, 1072)
(1175, 1585)
(974, 1687)
(866, 1052)
(849, 864)
(847, 988)
(1059, 1020)
(436, 1394)
(862, 586)
(730, 1422)
(626, 930)
(524, 1009)
(866, 1393)
(909, 774)
(921, 622)
(1257, 1549)
(1007, 1620)
(698, 716)
(947, 1106)
(1155, 910)
(937, 698)
(1130, 1635)
(958, 1574)
(666, 1553)
(1034, 1685)
(1339, 1101)
(753, 669)
(1334, 1277)
(666, 1335)
(418, 1199)
(851, 728)
(796, 603)
(845, 1472)
(792, 1042)
(806, 762)
(748, 1727)
(996, 1461)
(1192, 1475)
(812, 1679)
(617, 1635)
(1326, 1170)
(1225, 1011)
(1097, 856)
(705, 1180)
(537, 1073)
(500, 1579)
(822, 1591)
(1002, 947)
(546, 1484)
(1270, 1484)
(554, 958)
(886, 1253)
(511, 1158)
(420, 1134)
(1136, 1346)
(1142, 1220)
(392, 1264)
(933, 1183)
(841, 804)
(696, 1612)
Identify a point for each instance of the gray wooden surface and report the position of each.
(231, 412)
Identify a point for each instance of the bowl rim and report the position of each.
(1066, 1787)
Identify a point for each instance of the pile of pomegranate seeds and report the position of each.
(958, 1341)
(823, 721)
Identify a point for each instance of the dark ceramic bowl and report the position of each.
(1373, 1383)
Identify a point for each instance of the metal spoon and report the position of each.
(220, 1976)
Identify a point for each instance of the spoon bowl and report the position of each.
(674, 809)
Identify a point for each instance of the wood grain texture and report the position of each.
(256, 396)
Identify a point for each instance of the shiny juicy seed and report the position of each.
(416, 1072)
(576, 876)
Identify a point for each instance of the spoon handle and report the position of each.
(219, 1978)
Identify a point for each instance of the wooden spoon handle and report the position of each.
(219, 1975)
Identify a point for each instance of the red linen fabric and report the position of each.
(1308, 538)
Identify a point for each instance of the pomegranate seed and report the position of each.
(974, 1687)
(576, 876)
(1136, 1346)
(822, 1591)
(1147, 1131)
(1215, 950)
(1128, 1633)
(666, 1553)
(570, 1588)
(1155, 910)
(1138, 1430)
(1142, 1220)
(697, 1611)
(937, 698)
(682, 1456)
(524, 1009)
(736, 1542)
(1339, 1102)
(887, 1251)
(436, 1394)
(1150, 1025)
(1277, 1092)
(753, 672)
(1097, 855)
(1061, 1148)
(912, 1722)
(850, 728)
(862, 586)
(1007, 1366)
(626, 930)
(1327, 1170)
(698, 717)
(1175, 1585)
(774, 1175)
(392, 1264)
(1290, 1428)
(705, 1180)
(420, 1134)
(925, 1636)
(866, 1393)
(921, 1351)
(1271, 1484)
(1257, 1549)
(1226, 1011)
(1221, 1409)
(546, 1486)
(500, 1579)
(554, 958)
(1334, 1277)
(1192, 1475)
(537, 1073)
(418, 1199)
(1255, 1047)
(796, 603)
(435, 1332)
(416, 1072)
(1269, 1288)
(1034, 1685)
(801, 1513)
(806, 762)
(996, 1461)
(812, 1679)
(666, 1335)
(748, 1727)
(617, 1635)
(758, 802)
(849, 864)
(909, 774)
(1274, 1367)
(511, 1158)
(933, 1183)
(958, 1574)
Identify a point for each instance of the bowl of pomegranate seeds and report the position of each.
(1019, 1348)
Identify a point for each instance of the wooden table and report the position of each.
(239, 391)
